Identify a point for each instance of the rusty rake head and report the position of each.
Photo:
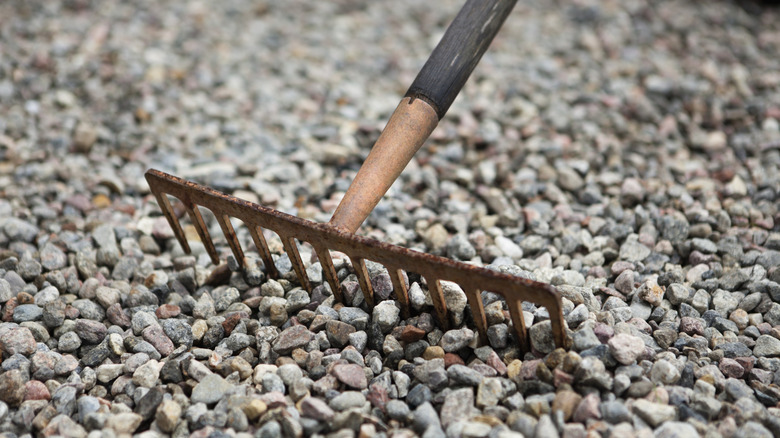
(424, 104)
(324, 238)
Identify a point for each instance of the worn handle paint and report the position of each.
(460, 49)
(426, 101)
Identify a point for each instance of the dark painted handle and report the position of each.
(458, 52)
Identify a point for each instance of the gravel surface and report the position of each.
(627, 152)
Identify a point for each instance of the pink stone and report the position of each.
(18, 340)
(691, 326)
(117, 316)
(560, 377)
(483, 369)
(351, 375)
(587, 409)
(167, 311)
(731, 368)
(378, 397)
(274, 399)
(528, 369)
(452, 359)
(154, 335)
(603, 332)
(494, 361)
(36, 390)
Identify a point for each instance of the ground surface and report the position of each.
(627, 152)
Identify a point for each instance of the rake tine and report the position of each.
(265, 253)
(558, 326)
(232, 239)
(474, 298)
(200, 226)
(295, 258)
(329, 271)
(365, 282)
(165, 206)
(401, 293)
(516, 312)
(439, 305)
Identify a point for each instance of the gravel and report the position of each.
(627, 153)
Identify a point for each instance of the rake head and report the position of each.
(325, 238)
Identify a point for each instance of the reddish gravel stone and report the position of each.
(338, 332)
(117, 316)
(494, 361)
(167, 311)
(746, 362)
(561, 377)
(154, 335)
(619, 266)
(317, 409)
(230, 323)
(528, 369)
(603, 332)
(73, 313)
(10, 306)
(588, 408)
(452, 359)
(378, 397)
(274, 399)
(691, 326)
(351, 375)
(291, 338)
(91, 332)
(36, 390)
(731, 368)
(253, 302)
(411, 333)
(17, 340)
(764, 328)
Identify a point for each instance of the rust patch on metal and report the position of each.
(324, 237)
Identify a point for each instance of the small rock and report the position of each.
(626, 348)
(91, 332)
(542, 337)
(676, 429)
(167, 416)
(387, 315)
(12, 387)
(317, 409)
(654, 413)
(125, 423)
(454, 340)
(210, 389)
(146, 375)
(767, 346)
(347, 400)
(17, 340)
(350, 374)
(291, 338)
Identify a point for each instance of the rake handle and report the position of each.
(425, 103)
(459, 51)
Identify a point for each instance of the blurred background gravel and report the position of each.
(626, 151)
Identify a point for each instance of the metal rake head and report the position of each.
(324, 238)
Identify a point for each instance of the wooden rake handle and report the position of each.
(424, 104)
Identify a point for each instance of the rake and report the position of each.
(418, 113)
